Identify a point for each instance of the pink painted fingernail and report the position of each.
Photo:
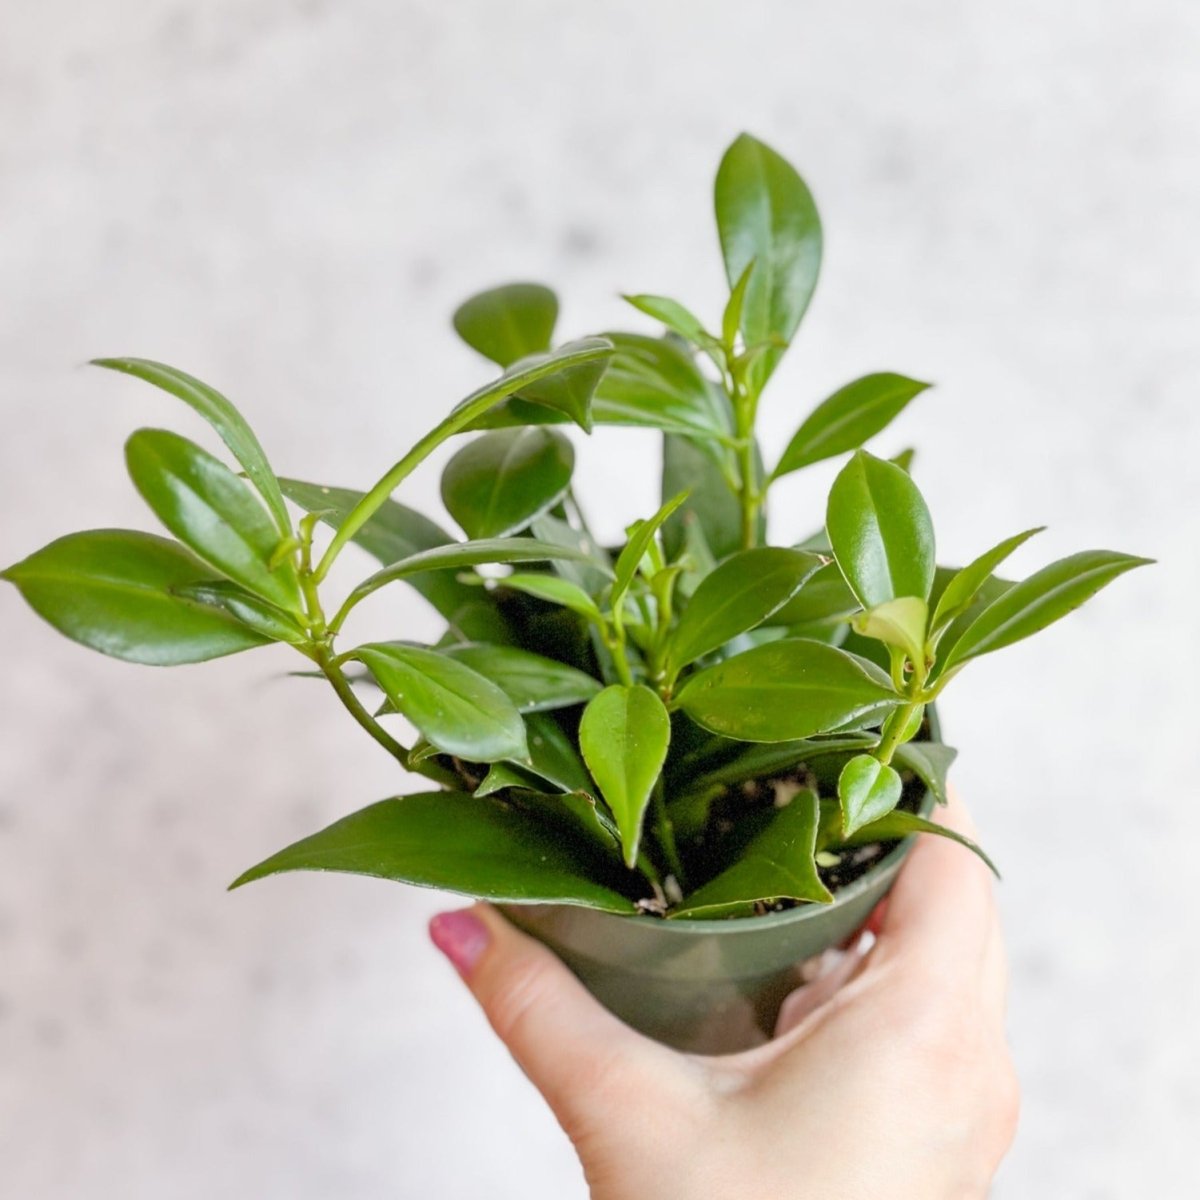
(461, 936)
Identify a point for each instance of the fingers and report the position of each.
(573, 1050)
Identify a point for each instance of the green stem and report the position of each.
(336, 676)
(664, 829)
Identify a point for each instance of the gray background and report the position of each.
(288, 199)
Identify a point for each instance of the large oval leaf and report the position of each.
(455, 708)
(478, 846)
(849, 417)
(531, 681)
(498, 483)
(780, 864)
(880, 531)
(1043, 598)
(222, 416)
(115, 591)
(737, 596)
(766, 216)
(508, 323)
(208, 508)
(784, 690)
(624, 737)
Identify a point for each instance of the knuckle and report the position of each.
(523, 990)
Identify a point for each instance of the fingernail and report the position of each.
(461, 936)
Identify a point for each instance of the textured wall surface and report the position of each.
(287, 198)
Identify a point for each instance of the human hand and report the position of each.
(889, 1076)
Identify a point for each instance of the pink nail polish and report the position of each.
(461, 936)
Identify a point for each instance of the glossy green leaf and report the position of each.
(555, 591)
(248, 608)
(901, 824)
(737, 596)
(965, 584)
(880, 531)
(850, 417)
(116, 591)
(930, 762)
(624, 736)
(867, 790)
(211, 511)
(711, 502)
(635, 548)
(900, 623)
(570, 392)
(477, 846)
(825, 598)
(508, 323)
(779, 864)
(455, 708)
(904, 460)
(532, 682)
(675, 316)
(1043, 598)
(766, 215)
(496, 484)
(590, 567)
(731, 318)
(554, 756)
(784, 690)
(222, 416)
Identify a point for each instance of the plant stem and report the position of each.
(336, 676)
(745, 405)
(664, 829)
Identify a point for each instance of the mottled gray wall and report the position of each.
(288, 199)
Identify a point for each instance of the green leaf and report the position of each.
(735, 597)
(904, 460)
(591, 570)
(900, 824)
(867, 790)
(394, 533)
(731, 319)
(249, 609)
(554, 756)
(624, 736)
(779, 864)
(900, 622)
(554, 590)
(478, 846)
(675, 316)
(467, 554)
(880, 531)
(850, 417)
(208, 508)
(222, 416)
(496, 484)
(457, 709)
(962, 589)
(766, 215)
(1043, 598)
(825, 598)
(711, 503)
(570, 391)
(929, 762)
(116, 591)
(508, 323)
(784, 690)
(532, 682)
(635, 548)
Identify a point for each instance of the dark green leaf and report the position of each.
(965, 584)
(476, 846)
(867, 790)
(900, 824)
(554, 756)
(508, 323)
(222, 416)
(570, 391)
(880, 531)
(496, 484)
(847, 419)
(784, 690)
(533, 683)
(1040, 600)
(208, 508)
(766, 215)
(930, 762)
(737, 596)
(248, 608)
(116, 591)
(590, 568)
(455, 708)
(778, 865)
(826, 597)
(711, 503)
(624, 736)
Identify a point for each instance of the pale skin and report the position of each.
(890, 1076)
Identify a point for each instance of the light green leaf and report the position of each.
(964, 586)
(531, 681)
(675, 316)
(900, 824)
(248, 608)
(731, 319)
(624, 736)
(867, 790)
(555, 591)
(900, 622)
(117, 591)
(508, 323)
(635, 549)
(880, 531)
(850, 417)
(460, 843)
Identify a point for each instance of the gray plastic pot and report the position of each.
(711, 987)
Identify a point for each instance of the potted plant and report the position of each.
(687, 761)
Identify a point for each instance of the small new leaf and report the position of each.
(867, 790)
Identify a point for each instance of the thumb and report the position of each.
(574, 1051)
